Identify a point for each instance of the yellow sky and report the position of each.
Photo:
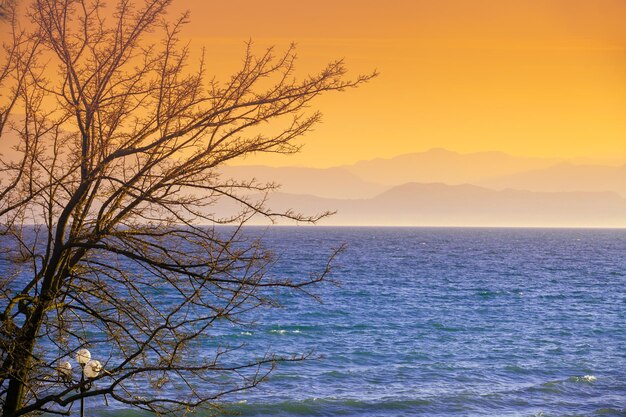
(528, 77)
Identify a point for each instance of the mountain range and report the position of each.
(444, 188)
(440, 165)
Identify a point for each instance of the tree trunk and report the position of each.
(20, 363)
(15, 396)
(15, 392)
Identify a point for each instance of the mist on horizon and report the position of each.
(443, 188)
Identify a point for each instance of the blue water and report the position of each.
(451, 322)
(444, 322)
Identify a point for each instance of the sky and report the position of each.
(530, 78)
(542, 78)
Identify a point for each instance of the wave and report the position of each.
(285, 331)
(584, 378)
(325, 407)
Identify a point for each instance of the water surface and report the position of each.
(444, 322)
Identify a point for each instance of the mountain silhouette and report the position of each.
(436, 204)
(444, 188)
(329, 183)
(440, 165)
(564, 177)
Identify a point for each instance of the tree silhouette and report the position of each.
(107, 235)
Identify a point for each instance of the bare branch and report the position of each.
(108, 199)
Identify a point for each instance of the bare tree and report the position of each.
(6, 8)
(107, 235)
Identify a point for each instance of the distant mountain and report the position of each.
(495, 170)
(328, 183)
(416, 204)
(436, 190)
(440, 165)
(564, 177)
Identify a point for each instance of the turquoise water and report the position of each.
(444, 322)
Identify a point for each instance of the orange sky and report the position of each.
(528, 77)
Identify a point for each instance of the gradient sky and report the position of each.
(528, 77)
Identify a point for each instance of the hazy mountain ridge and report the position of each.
(329, 182)
(478, 189)
(494, 170)
(440, 165)
(564, 177)
(465, 205)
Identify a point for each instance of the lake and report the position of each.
(443, 322)
(451, 322)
